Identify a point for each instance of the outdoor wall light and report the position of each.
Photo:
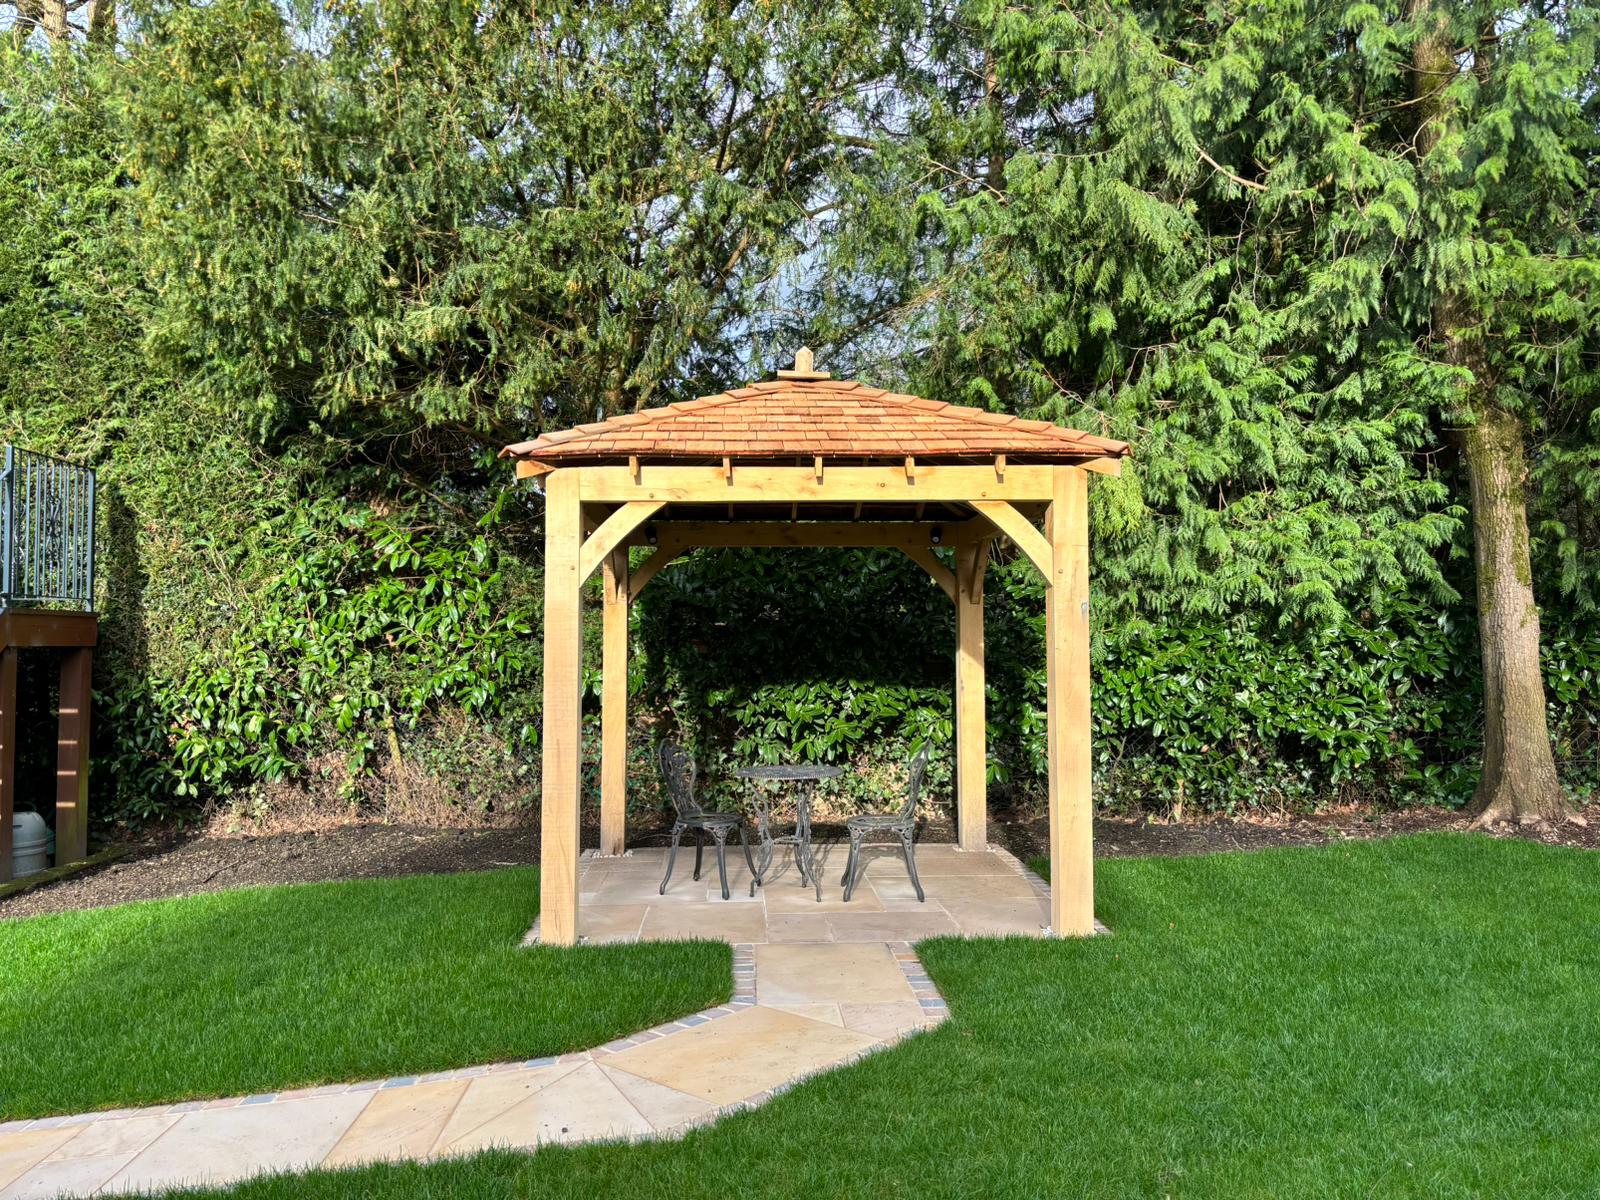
(650, 534)
(937, 536)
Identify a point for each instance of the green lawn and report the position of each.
(1416, 1017)
(265, 989)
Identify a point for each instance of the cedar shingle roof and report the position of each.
(785, 418)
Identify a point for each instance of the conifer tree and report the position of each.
(1316, 262)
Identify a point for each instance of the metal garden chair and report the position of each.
(678, 772)
(902, 822)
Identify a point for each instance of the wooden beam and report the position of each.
(797, 533)
(925, 558)
(8, 755)
(48, 629)
(1103, 466)
(614, 706)
(72, 757)
(753, 483)
(972, 748)
(973, 529)
(1067, 716)
(527, 469)
(563, 682)
(1020, 530)
(613, 532)
(646, 571)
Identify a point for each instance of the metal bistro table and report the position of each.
(800, 839)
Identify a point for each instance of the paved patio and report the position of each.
(973, 893)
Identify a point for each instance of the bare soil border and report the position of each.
(179, 863)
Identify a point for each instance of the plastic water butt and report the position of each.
(30, 844)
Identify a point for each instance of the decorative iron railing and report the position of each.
(47, 526)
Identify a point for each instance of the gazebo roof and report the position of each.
(794, 417)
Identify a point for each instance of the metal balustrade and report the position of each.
(46, 532)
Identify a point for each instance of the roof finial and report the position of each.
(804, 366)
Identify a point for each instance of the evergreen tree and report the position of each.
(1286, 249)
(481, 220)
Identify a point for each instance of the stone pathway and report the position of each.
(797, 1009)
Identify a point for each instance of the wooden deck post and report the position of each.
(1067, 715)
(563, 682)
(614, 706)
(72, 757)
(972, 748)
(8, 754)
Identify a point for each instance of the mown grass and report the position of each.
(1415, 1017)
(265, 989)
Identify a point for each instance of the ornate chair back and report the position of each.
(919, 769)
(678, 772)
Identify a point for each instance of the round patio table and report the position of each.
(806, 776)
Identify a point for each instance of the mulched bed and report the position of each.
(167, 863)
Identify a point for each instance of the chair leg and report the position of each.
(909, 841)
(849, 865)
(758, 875)
(855, 866)
(720, 834)
(699, 849)
(672, 857)
(744, 841)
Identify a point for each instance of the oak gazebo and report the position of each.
(805, 460)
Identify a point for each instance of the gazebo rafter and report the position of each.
(807, 461)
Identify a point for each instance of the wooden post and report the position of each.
(563, 683)
(72, 757)
(972, 749)
(8, 754)
(614, 706)
(1067, 714)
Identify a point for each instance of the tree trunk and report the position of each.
(1519, 772)
(1519, 779)
(55, 20)
(102, 22)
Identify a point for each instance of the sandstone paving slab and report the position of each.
(789, 898)
(222, 1145)
(950, 889)
(892, 926)
(401, 1122)
(664, 1107)
(583, 1105)
(799, 927)
(601, 923)
(727, 923)
(999, 918)
(124, 1136)
(886, 1020)
(22, 1149)
(798, 973)
(66, 1177)
(490, 1096)
(828, 1014)
(736, 1057)
(959, 862)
